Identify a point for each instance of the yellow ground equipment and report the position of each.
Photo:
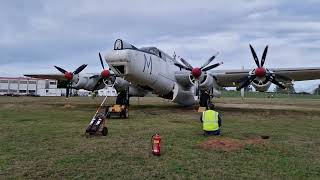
(118, 111)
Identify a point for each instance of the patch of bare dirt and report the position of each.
(68, 106)
(224, 144)
(230, 144)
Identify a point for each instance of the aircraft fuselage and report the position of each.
(144, 69)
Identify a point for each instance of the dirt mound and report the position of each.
(224, 144)
(229, 144)
(68, 106)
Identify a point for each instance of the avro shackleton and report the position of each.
(137, 71)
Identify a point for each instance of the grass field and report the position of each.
(42, 139)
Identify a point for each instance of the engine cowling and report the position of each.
(81, 82)
(137, 91)
(182, 96)
(260, 85)
(206, 83)
(183, 78)
(209, 83)
(121, 84)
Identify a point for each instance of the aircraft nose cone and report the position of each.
(105, 74)
(68, 75)
(196, 72)
(260, 72)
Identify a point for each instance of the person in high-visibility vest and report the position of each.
(211, 121)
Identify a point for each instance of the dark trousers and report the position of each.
(211, 133)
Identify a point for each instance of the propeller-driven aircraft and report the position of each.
(137, 71)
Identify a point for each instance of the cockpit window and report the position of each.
(119, 45)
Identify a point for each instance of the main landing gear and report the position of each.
(123, 98)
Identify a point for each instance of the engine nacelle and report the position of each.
(182, 96)
(261, 86)
(82, 82)
(183, 78)
(121, 84)
(209, 83)
(136, 91)
(206, 83)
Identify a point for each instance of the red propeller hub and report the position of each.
(68, 75)
(196, 72)
(260, 72)
(105, 74)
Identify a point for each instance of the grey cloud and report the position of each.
(38, 34)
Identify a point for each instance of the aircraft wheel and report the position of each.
(104, 131)
(108, 115)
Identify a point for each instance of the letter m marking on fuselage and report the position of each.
(147, 64)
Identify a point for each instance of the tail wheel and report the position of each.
(125, 113)
(104, 131)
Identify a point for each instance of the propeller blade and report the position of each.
(60, 69)
(212, 66)
(79, 69)
(182, 66)
(209, 60)
(101, 61)
(186, 63)
(196, 91)
(264, 56)
(274, 81)
(247, 82)
(255, 57)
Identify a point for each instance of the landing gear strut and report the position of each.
(123, 98)
(205, 98)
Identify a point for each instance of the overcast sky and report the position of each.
(37, 34)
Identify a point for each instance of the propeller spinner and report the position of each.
(69, 76)
(105, 74)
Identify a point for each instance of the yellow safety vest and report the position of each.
(210, 120)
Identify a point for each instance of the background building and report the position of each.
(28, 86)
(42, 87)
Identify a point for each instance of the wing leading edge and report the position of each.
(59, 76)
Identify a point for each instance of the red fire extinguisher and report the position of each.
(155, 140)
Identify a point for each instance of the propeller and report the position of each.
(105, 74)
(69, 76)
(260, 72)
(196, 72)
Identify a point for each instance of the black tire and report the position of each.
(108, 115)
(122, 115)
(104, 131)
(125, 114)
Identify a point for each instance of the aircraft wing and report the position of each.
(59, 76)
(229, 78)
